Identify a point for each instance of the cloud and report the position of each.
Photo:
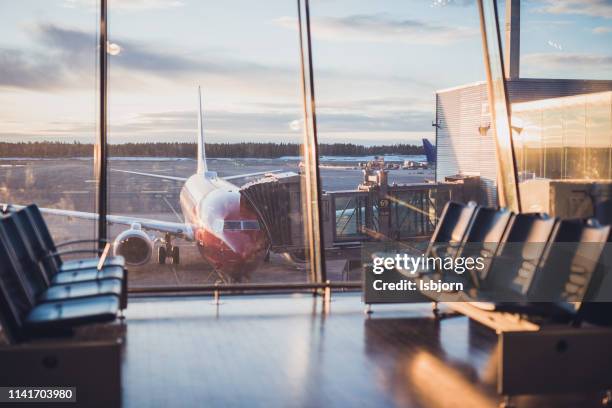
(19, 70)
(75, 44)
(568, 62)
(595, 8)
(70, 58)
(129, 5)
(602, 30)
(382, 28)
(446, 3)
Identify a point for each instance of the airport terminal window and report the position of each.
(574, 134)
(378, 67)
(48, 112)
(562, 100)
(205, 133)
(552, 132)
(599, 135)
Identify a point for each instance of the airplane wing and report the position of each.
(259, 173)
(174, 228)
(162, 176)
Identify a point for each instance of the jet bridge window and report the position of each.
(243, 225)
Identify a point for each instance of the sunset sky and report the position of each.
(377, 65)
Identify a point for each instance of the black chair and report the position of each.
(454, 223)
(23, 318)
(483, 239)
(40, 241)
(598, 309)
(566, 275)
(603, 212)
(568, 269)
(51, 249)
(518, 256)
(16, 235)
(14, 246)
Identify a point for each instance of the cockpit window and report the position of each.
(243, 225)
(250, 225)
(232, 225)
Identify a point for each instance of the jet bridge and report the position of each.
(375, 211)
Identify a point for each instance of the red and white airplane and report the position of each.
(222, 223)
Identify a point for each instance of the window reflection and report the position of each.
(599, 135)
(572, 136)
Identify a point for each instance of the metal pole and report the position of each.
(100, 152)
(507, 174)
(311, 151)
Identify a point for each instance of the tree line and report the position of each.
(176, 149)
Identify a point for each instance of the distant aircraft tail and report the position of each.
(202, 167)
(430, 151)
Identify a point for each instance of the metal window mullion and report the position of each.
(100, 151)
(313, 215)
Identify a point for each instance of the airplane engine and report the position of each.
(134, 245)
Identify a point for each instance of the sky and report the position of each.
(377, 65)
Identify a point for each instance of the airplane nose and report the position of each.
(244, 250)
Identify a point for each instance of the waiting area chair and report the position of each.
(48, 246)
(536, 265)
(40, 299)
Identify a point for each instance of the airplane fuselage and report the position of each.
(225, 226)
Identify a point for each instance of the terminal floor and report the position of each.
(285, 351)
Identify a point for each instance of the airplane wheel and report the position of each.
(161, 255)
(176, 257)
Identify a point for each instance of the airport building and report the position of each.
(466, 145)
(555, 133)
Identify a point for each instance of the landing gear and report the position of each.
(167, 250)
(176, 257)
(161, 255)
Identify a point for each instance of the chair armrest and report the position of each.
(73, 251)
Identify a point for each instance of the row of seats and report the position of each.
(41, 294)
(533, 263)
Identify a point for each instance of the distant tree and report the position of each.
(177, 149)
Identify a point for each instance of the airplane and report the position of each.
(223, 224)
(430, 151)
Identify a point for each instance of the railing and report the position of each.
(244, 288)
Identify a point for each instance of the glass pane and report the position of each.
(552, 119)
(574, 137)
(599, 135)
(571, 116)
(217, 214)
(48, 99)
(566, 39)
(382, 80)
(575, 134)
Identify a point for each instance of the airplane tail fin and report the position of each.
(202, 167)
(430, 151)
